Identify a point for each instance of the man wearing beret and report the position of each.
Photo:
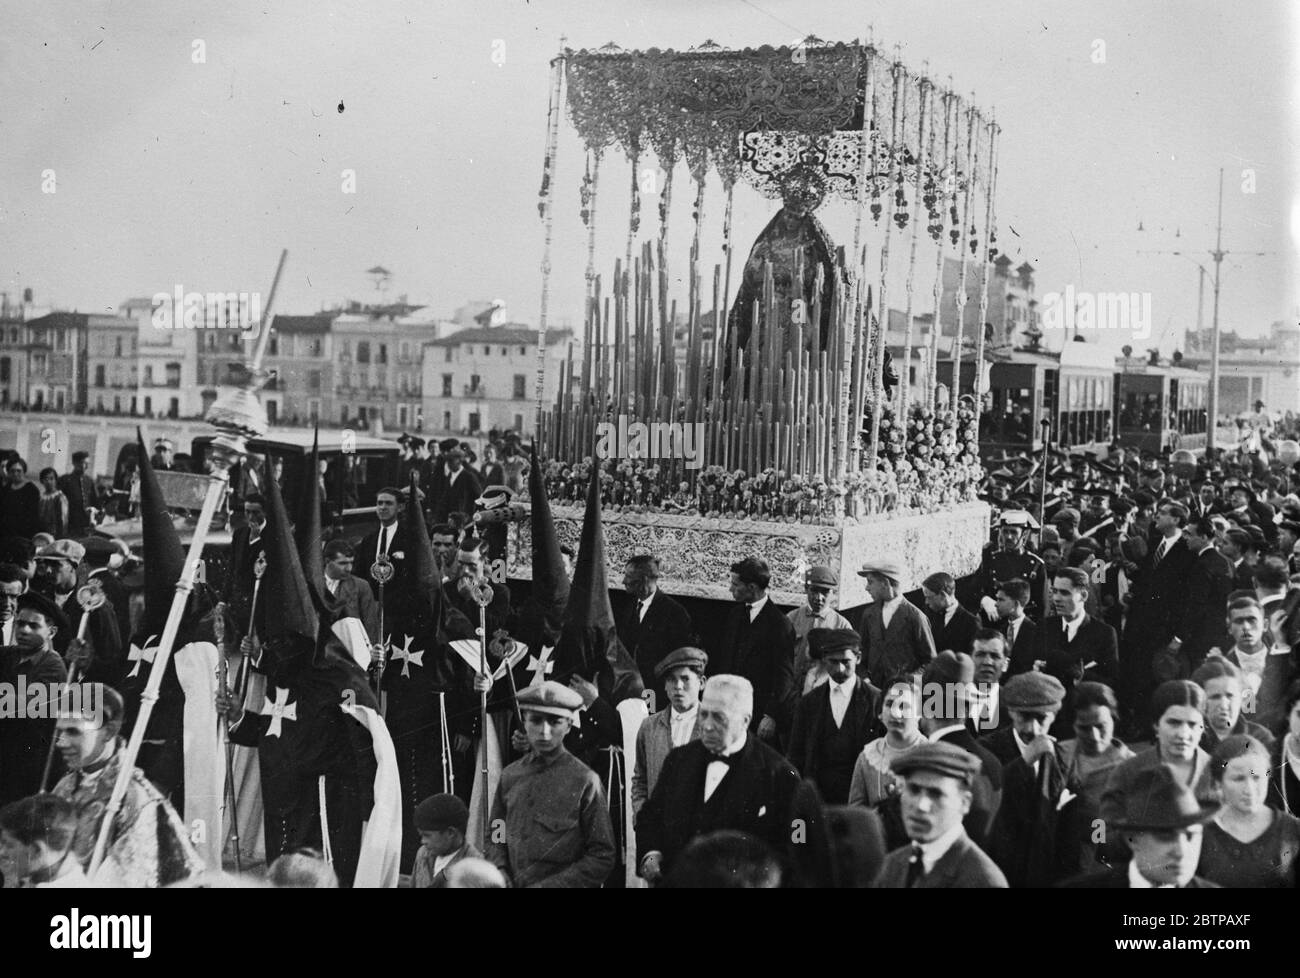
(758, 643)
(837, 719)
(681, 673)
(101, 654)
(550, 823)
(895, 634)
(441, 821)
(727, 779)
(31, 660)
(819, 584)
(936, 797)
(1162, 822)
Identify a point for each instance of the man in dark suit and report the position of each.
(348, 596)
(837, 719)
(987, 711)
(460, 489)
(758, 643)
(101, 655)
(1152, 642)
(725, 780)
(1162, 824)
(1209, 580)
(937, 795)
(895, 633)
(246, 546)
(1020, 631)
(1075, 646)
(79, 487)
(654, 624)
(951, 625)
(945, 707)
(1235, 545)
(393, 539)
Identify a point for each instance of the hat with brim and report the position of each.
(1157, 802)
(939, 758)
(550, 698)
(885, 567)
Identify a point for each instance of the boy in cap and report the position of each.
(1162, 822)
(819, 585)
(441, 821)
(550, 824)
(895, 634)
(101, 654)
(837, 719)
(681, 673)
(936, 797)
(36, 842)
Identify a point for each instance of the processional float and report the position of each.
(811, 453)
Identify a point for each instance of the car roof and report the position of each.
(330, 441)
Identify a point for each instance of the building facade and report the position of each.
(486, 377)
(1250, 370)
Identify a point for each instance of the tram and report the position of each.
(1160, 408)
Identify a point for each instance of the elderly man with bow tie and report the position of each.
(727, 779)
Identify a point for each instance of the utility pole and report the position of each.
(1218, 254)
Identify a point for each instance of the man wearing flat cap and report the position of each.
(681, 674)
(441, 821)
(101, 655)
(819, 584)
(163, 458)
(895, 634)
(25, 741)
(758, 643)
(1026, 841)
(550, 822)
(837, 719)
(936, 796)
(1162, 822)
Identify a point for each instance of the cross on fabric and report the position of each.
(278, 708)
(407, 656)
(146, 654)
(540, 668)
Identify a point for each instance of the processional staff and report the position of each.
(381, 572)
(223, 684)
(482, 592)
(89, 596)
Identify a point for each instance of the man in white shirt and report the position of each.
(682, 674)
(36, 836)
(936, 797)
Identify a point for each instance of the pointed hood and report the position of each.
(589, 642)
(427, 581)
(307, 533)
(550, 580)
(294, 627)
(164, 557)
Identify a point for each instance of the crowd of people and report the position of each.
(1123, 659)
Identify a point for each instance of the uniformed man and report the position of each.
(1010, 559)
(819, 585)
(148, 845)
(163, 458)
(550, 825)
(101, 655)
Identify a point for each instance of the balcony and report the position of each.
(475, 390)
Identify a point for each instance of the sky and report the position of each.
(189, 142)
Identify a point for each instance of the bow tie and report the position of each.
(728, 760)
